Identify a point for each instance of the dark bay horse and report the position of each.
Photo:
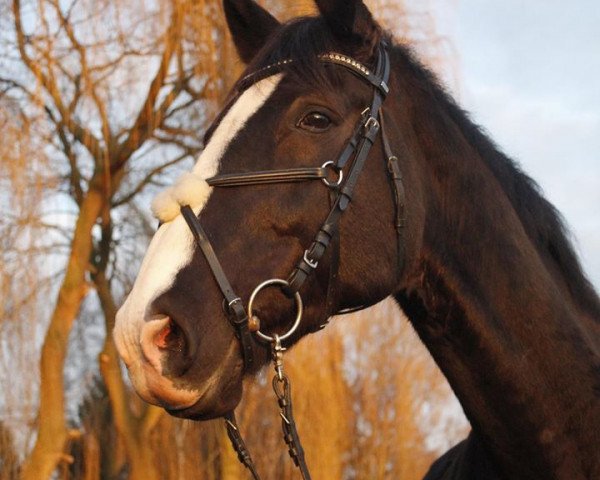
(480, 262)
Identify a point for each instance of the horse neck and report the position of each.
(518, 346)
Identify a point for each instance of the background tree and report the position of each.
(9, 461)
(62, 63)
(24, 276)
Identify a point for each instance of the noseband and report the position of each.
(356, 149)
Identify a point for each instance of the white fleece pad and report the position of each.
(188, 190)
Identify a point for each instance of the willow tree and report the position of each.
(124, 89)
(24, 280)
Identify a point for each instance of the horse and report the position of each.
(439, 218)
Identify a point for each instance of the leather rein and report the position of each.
(347, 167)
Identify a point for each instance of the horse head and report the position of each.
(297, 210)
(305, 97)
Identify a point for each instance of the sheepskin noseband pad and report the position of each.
(190, 190)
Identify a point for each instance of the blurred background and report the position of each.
(105, 102)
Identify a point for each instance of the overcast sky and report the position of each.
(530, 74)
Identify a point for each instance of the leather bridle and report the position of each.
(348, 166)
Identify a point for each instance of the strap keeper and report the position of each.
(344, 201)
(237, 313)
(323, 237)
(394, 168)
(327, 230)
(383, 86)
(295, 281)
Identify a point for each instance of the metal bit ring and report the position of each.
(299, 309)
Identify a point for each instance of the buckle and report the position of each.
(311, 263)
(236, 312)
(235, 300)
(371, 124)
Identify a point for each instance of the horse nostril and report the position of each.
(162, 339)
(169, 344)
(170, 337)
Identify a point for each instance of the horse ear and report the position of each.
(352, 22)
(250, 26)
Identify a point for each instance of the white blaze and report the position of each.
(172, 246)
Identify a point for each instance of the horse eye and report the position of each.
(315, 122)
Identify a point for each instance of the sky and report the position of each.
(529, 73)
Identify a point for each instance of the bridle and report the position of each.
(351, 161)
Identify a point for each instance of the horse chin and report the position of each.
(216, 402)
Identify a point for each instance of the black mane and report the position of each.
(541, 220)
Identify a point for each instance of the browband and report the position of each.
(349, 63)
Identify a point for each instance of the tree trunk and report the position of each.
(91, 465)
(53, 436)
(133, 431)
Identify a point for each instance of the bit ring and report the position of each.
(299, 309)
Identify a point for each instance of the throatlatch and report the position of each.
(354, 154)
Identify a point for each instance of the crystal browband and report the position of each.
(331, 57)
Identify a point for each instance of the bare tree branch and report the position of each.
(148, 118)
(82, 134)
(148, 179)
(85, 73)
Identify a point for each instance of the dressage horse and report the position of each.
(341, 167)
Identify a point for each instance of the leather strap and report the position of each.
(364, 139)
(334, 264)
(350, 148)
(234, 308)
(395, 173)
(283, 392)
(288, 175)
(237, 441)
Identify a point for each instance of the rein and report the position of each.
(246, 325)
